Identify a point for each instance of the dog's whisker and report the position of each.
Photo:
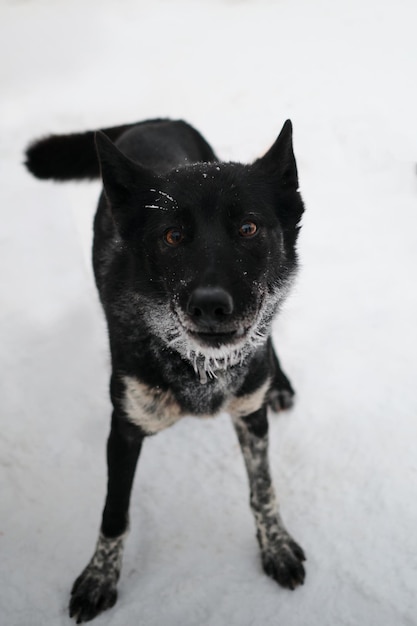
(167, 196)
(174, 341)
(155, 206)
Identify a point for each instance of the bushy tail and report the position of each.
(69, 157)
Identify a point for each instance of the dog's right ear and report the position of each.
(124, 182)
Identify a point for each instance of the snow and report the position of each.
(344, 460)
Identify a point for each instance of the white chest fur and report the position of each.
(153, 409)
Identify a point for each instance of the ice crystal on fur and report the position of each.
(165, 195)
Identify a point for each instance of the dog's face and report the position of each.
(211, 247)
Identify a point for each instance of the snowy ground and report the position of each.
(344, 460)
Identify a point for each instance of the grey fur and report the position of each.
(255, 330)
(99, 579)
(281, 556)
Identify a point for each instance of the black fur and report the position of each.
(192, 259)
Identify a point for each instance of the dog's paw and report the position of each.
(283, 561)
(94, 591)
(280, 399)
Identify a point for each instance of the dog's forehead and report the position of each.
(207, 182)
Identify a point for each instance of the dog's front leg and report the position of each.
(281, 394)
(96, 588)
(281, 556)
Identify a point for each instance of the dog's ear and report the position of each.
(124, 182)
(279, 161)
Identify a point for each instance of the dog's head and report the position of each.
(211, 247)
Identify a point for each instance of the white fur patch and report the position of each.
(245, 405)
(148, 407)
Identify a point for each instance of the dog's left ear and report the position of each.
(279, 161)
(120, 175)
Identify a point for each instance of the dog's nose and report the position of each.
(209, 304)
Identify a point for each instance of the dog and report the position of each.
(192, 259)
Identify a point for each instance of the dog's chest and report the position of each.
(154, 409)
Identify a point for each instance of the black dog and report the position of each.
(192, 258)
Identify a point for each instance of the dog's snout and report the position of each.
(210, 304)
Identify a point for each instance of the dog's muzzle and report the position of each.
(210, 310)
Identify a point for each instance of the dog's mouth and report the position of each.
(215, 338)
(216, 347)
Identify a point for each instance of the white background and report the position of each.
(344, 460)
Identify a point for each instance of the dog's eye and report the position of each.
(173, 236)
(248, 229)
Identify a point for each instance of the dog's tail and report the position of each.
(69, 157)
